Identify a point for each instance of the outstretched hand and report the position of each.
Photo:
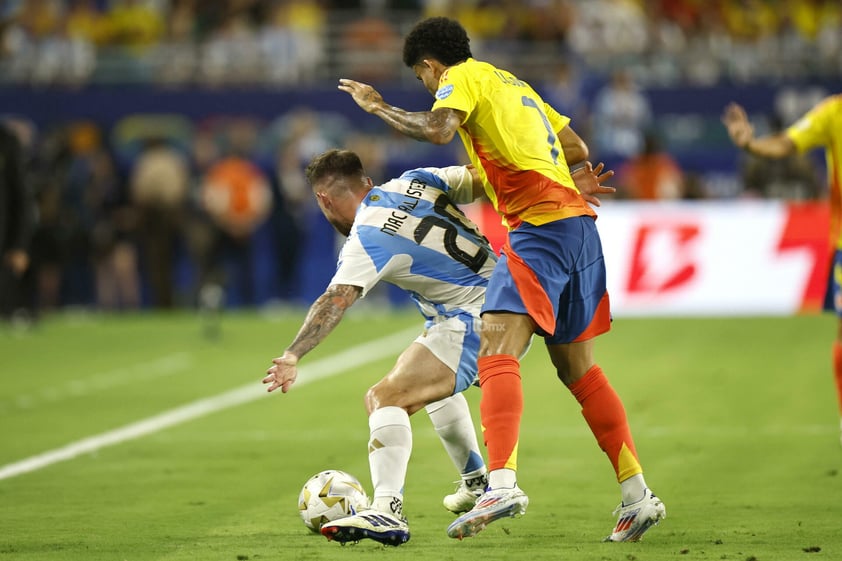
(589, 180)
(738, 125)
(282, 373)
(366, 96)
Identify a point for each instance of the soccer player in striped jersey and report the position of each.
(407, 232)
(819, 127)
(550, 279)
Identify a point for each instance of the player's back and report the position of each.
(410, 233)
(510, 134)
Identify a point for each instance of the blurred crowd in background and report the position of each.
(165, 211)
(290, 41)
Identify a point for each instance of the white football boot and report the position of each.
(382, 527)
(634, 519)
(466, 495)
(493, 505)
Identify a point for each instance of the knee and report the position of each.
(372, 400)
(384, 394)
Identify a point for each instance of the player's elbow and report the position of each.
(576, 153)
(438, 136)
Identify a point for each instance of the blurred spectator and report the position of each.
(284, 41)
(550, 20)
(307, 21)
(159, 182)
(609, 27)
(134, 23)
(234, 198)
(17, 213)
(651, 175)
(368, 48)
(280, 46)
(84, 28)
(236, 195)
(620, 114)
(85, 22)
(81, 186)
(749, 19)
(299, 136)
(230, 55)
(112, 220)
(564, 91)
(44, 49)
(179, 52)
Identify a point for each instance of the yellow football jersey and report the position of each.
(510, 135)
(822, 127)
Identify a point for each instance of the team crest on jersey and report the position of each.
(374, 198)
(444, 92)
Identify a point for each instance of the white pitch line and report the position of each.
(130, 374)
(324, 368)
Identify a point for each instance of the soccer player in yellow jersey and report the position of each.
(550, 279)
(819, 127)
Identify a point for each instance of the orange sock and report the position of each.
(837, 371)
(606, 416)
(500, 408)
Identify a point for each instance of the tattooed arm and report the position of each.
(437, 126)
(324, 315)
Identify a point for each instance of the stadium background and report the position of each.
(147, 436)
(166, 139)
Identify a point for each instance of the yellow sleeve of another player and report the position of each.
(813, 129)
(557, 120)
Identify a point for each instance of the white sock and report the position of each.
(500, 478)
(633, 489)
(451, 417)
(389, 448)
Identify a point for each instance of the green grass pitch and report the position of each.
(735, 421)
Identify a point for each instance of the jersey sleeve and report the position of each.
(812, 130)
(460, 181)
(556, 119)
(455, 92)
(355, 267)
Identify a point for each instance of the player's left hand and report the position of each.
(282, 373)
(588, 180)
(739, 127)
(366, 96)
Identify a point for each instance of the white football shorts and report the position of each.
(455, 342)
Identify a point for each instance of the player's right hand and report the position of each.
(366, 96)
(282, 373)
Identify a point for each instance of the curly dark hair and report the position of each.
(334, 162)
(440, 38)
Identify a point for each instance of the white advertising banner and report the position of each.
(747, 257)
(712, 258)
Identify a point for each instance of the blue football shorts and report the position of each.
(555, 273)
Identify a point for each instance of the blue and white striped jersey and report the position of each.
(409, 232)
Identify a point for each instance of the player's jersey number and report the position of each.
(450, 218)
(551, 134)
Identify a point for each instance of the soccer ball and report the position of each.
(329, 495)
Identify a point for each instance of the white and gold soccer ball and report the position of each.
(330, 495)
